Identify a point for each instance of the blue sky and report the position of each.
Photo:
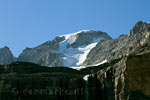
(28, 23)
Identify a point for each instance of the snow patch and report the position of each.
(105, 61)
(78, 68)
(81, 67)
(67, 36)
(73, 36)
(85, 50)
(86, 77)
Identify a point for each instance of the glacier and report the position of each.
(74, 57)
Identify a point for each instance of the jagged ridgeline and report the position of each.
(83, 48)
(125, 75)
(67, 50)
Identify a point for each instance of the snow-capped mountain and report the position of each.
(86, 48)
(68, 50)
(76, 46)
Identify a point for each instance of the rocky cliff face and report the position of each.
(128, 79)
(6, 56)
(124, 45)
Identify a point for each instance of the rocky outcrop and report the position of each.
(6, 56)
(124, 45)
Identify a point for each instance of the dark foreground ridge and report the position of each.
(126, 78)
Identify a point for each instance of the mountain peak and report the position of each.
(67, 36)
(139, 27)
(85, 37)
(76, 46)
(5, 47)
(6, 56)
